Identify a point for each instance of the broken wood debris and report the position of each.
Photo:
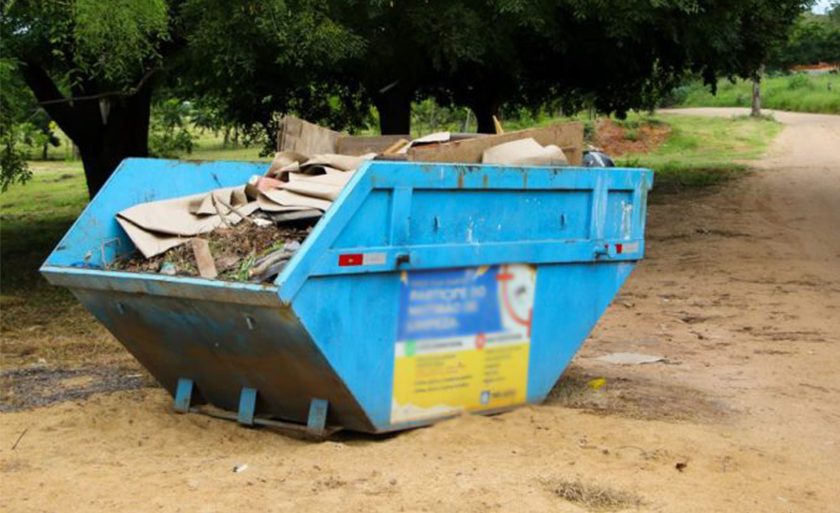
(204, 259)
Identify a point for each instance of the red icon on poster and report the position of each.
(480, 341)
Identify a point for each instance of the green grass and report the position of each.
(35, 215)
(702, 152)
(209, 146)
(798, 93)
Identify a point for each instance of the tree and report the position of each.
(613, 55)
(625, 54)
(91, 66)
(15, 104)
(814, 39)
(94, 65)
(252, 60)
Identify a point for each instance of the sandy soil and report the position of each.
(741, 293)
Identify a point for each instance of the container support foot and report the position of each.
(247, 405)
(317, 420)
(183, 395)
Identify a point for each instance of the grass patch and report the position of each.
(798, 93)
(592, 496)
(33, 217)
(702, 152)
(210, 146)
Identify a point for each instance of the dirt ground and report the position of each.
(740, 292)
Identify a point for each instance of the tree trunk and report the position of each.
(125, 134)
(484, 122)
(484, 113)
(394, 106)
(756, 96)
(103, 140)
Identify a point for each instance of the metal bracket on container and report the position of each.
(604, 250)
(247, 405)
(317, 420)
(183, 395)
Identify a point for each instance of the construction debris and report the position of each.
(250, 232)
(566, 136)
(235, 252)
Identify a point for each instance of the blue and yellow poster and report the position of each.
(463, 340)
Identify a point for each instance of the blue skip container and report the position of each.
(427, 290)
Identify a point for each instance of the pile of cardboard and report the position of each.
(308, 173)
(303, 137)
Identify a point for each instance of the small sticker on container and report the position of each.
(373, 259)
(357, 259)
(632, 247)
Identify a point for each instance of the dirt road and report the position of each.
(740, 292)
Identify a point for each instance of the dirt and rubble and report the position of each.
(236, 250)
(740, 292)
(637, 137)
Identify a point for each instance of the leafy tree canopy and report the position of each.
(814, 39)
(96, 67)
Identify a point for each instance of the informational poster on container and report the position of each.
(463, 340)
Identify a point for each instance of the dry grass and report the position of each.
(592, 496)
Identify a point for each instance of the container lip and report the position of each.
(158, 285)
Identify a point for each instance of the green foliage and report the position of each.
(331, 61)
(169, 134)
(834, 13)
(427, 116)
(798, 93)
(813, 40)
(14, 103)
(116, 38)
(251, 60)
(12, 158)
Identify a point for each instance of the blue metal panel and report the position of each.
(359, 231)
(619, 215)
(319, 255)
(247, 406)
(353, 320)
(183, 395)
(223, 347)
(446, 217)
(317, 420)
(570, 298)
(443, 255)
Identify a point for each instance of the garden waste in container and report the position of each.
(426, 290)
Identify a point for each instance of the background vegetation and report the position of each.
(126, 77)
(797, 92)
